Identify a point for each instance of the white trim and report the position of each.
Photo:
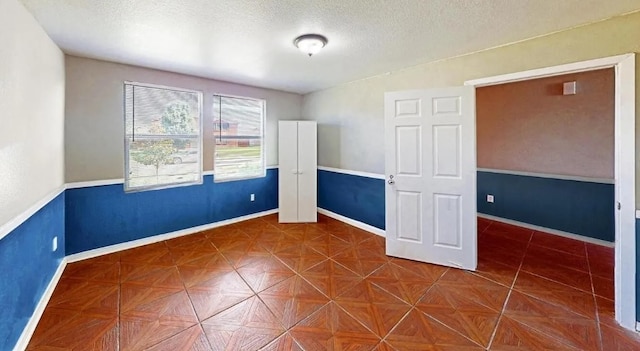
(548, 175)
(352, 222)
(355, 173)
(160, 237)
(91, 183)
(548, 230)
(575, 67)
(625, 173)
(638, 214)
(625, 158)
(14, 223)
(28, 330)
(638, 326)
(204, 173)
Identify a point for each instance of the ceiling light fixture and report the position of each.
(310, 43)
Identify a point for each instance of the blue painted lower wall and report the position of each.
(356, 197)
(27, 265)
(106, 215)
(582, 208)
(638, 270)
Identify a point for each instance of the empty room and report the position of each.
(327, 175)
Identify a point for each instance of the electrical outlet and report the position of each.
(54, 244)
(253, 197)
(490, 198)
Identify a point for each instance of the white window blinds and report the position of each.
(162, 136)
(239, 135)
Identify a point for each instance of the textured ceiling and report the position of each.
(250, 41)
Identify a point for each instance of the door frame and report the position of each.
(625, 172)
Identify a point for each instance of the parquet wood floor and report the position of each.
(262, 285)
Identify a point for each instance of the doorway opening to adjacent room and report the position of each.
(624, 167)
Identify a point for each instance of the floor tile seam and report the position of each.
(477, 274)
(398, 297)
(169, 337)
(595, 303)
(451, 328)
(186, 290)
(429, 288)
(555, 264)
(284, 328)
(383, 339)
(473, 300)
(553, 337)
(305, 317)
(355, 318)
(255, 292)
(561, 306)
(601, 276)
(347, 268)
(487, 227)
(506, 300)
(272, 341)
(489, 279)
(313, 285)
(223, 310)
(559, 282)
(556, 250)
(206, 337)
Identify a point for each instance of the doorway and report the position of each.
(624, 168)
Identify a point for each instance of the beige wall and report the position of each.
(94, 125)
(350, 116)
(32, 112)
(531, 126)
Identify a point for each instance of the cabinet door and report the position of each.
(307, 172)
(288, 171)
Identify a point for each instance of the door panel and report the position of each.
(287, 173)
(446, 151)
(447, 218)
(409, 215)
(430, 163)
(307, 172)
(409, 150)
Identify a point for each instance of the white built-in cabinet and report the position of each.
(298, 171)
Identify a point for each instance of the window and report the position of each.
(162, 137)
(239, 133)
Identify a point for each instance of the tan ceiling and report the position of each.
(250, 41)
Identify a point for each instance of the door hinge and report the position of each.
(619, 206)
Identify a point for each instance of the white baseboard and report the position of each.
(548, 230)
(160, 237)
(28, 330)
(352, 222)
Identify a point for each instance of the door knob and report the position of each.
(391, 181)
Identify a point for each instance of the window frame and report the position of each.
(263, 137)
(127, 139)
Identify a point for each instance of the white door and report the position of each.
(307, 172)
(288, 171)
(430, 164)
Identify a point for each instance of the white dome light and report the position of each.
(310, 43)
